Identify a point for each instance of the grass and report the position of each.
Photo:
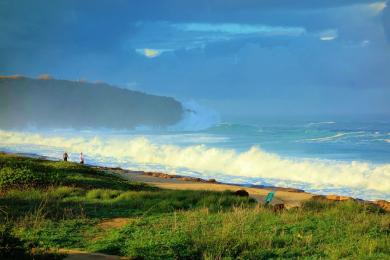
(169, 224)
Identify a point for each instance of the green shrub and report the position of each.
(103, 194)
(11, 247)
(24, 176)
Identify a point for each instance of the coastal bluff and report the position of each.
(52, 103)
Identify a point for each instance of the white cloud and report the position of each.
(162, 36)
(240, 29)
(328, 35)
(327, 38)
(151, 53)
(365, 43)
(377, 7)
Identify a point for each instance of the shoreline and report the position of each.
(288, 197)
(66, 209)
(164, 175)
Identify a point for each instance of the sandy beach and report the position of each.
(289, 197)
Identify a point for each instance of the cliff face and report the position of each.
(64, 104)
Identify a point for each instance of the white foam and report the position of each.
(326, 138)
(340, 135)
(320, 123)
(217, 162)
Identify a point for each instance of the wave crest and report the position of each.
(217, 162)
(320, 123)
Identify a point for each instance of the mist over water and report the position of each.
(347, 158)
(196, 117)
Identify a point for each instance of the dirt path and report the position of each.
(82, 255)
(288, 198)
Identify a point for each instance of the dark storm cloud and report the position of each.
(260, 52)
(102, 24)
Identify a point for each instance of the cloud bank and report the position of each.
(293, 57)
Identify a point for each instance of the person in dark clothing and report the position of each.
(65, 156)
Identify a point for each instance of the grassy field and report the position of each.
(47, 205)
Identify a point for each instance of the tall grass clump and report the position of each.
(103, 194)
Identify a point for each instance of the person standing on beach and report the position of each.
(81, 158)
(65, 156)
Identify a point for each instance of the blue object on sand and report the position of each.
(269, 197)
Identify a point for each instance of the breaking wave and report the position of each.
(326, 138)
(211, 161)
(320, 123)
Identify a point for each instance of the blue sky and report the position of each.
(256, 58)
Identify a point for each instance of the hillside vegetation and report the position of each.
(54, 103)
(51, 205)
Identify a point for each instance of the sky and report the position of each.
(260, 58)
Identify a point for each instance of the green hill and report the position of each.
(45, 206)
(50, 103)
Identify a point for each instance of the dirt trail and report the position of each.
(82, 255)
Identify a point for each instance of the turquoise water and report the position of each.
(349, 141)
(348, 158)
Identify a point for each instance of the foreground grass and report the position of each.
(69, 212)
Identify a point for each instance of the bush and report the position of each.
(10, 246)
(242, 193)
(11, 177)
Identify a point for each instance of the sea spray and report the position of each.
(196, 117)
(212, 161)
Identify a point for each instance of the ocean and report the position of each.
(349, 158)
